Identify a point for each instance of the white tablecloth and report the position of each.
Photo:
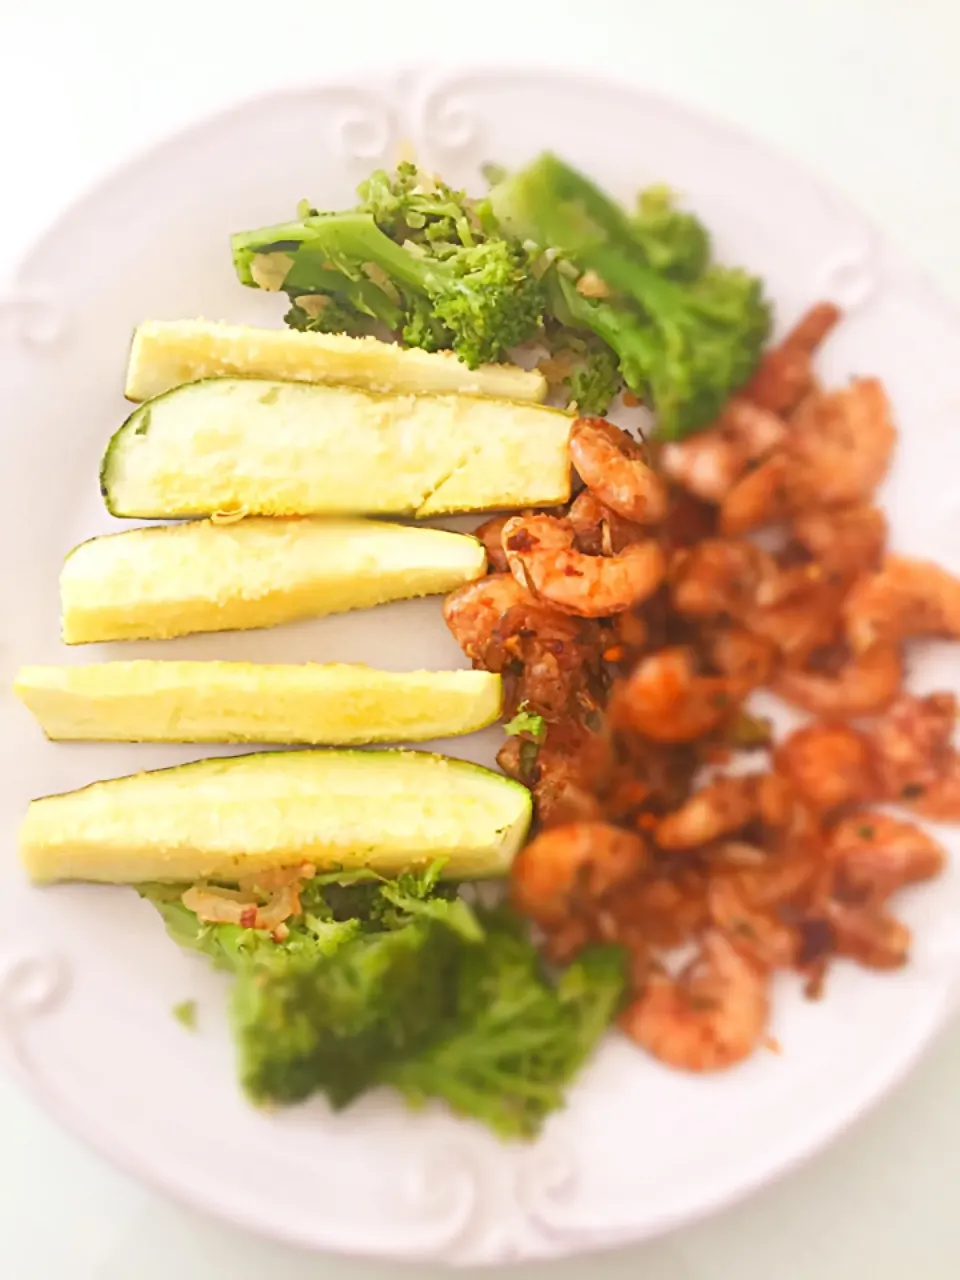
(865, 92)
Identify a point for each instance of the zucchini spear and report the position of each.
(282, 449)
(166, 353)
(172, 580)
(310, 703)
(228, 818)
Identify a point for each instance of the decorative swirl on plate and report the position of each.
(442, 1190)
(31, 985)
(364, 126)
(445, 122)
(31, 316)
(547, 1179)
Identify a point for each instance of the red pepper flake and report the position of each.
(248, 918)
(521, 541)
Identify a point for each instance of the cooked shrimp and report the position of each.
(490, 534)
(688, 521)
(660, 912)
(568, 870)
(785, 374)
(614, 466)
(755, 932)
(801, 624)
(542, 556)
(719, 577)
(868, 935)
(838, 451)
(906, 598)
(939, 800)
(667, 701)
(566, 772)
(829, 765)
(718, 809)
(557, 655)
(761, 497)
(598, 529)
(472, 612)
(631, 632)
(740, 655)
(774, 880)
(709, 463)
(764, 805)
(865, 684)
(561, 794)
(846, 540)
(710, 1016)
(841, 445)
(910, 744)
(876, 855)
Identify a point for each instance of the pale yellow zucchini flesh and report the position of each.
(168, 353)
(312, 703)
(230, 817)
(171, 580)
(281, 449)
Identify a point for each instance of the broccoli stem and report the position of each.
(323, 246)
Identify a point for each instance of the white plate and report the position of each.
(87, 975)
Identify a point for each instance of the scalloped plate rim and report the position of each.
(431, 76)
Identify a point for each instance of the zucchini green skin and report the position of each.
(209, 446)
(51, 851)
(137, 423)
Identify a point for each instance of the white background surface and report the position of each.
(865, 92)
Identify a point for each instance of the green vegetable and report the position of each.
(401, 982)
(412, 206)
(231, 947)
(516, 1041)
(674, 242)
(441, 282)
(594, 379)
(333, 1025)
(186, 1014)
(527, 723)
(326, 313)
(683, 344)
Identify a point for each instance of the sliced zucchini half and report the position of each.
(283, 448)
(171, 580)
(167, 353)
(230, 817)
(311, 703)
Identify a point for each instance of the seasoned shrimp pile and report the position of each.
(632, 629)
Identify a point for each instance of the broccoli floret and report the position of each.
(333, 1024)
(400, 982)
(515, 1041)
(324, 313)
(479, 300)
(683, 346)
(674, 242)
(413, 206)
(586, 368)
